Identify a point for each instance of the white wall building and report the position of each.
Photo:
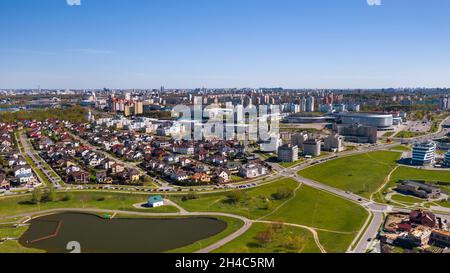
(424, 153)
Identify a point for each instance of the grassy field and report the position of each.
(388, 134)
(290, 164)
(14, 246)
(361, 174)
(403, 173)
(309, 207)
(281, 241)
(113, 201)
(255, 202)
(409, 134)
(335, 242)
(319, 209)
(407, 173)
(407, 199)
(401, 148)
(233, 224)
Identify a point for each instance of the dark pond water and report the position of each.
(97, 235)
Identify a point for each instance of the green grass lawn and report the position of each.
(256, 203)
(236, 178)
(443, 203)
(233, 225)
(309, 207)
(409, 134)
(361, 174)
(407, 173)
(388, 134)
(14, 246)
(113, 201)
(407, 199)
(401, 148)
(290, 164)
(335, 242)
(403, 173)
(319, 209)
(279, 243)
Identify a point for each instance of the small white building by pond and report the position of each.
(155, 201)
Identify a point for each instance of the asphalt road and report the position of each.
(29, 151)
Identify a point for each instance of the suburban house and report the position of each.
(24, 175)
(155, 201)
(179, 175)
(117, 168)
(4, 183)
(253, 170)
(424, 218)
(79, 177)
(201, 178)
(222, 176)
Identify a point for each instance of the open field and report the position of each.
(308, 207)
(291, 164)
(403, 173)
(437, 178)
(401, 148)
(335, 242)
(13, 246)
(254, 203)
(319, 209)
(233, 224)
(407, 199)
(20, 205)
(407, 173)
(408, 134)
(286, 240)
(303, 206)
(361, 174)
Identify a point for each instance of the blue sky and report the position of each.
(224, 43)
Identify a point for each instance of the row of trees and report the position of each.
(237, 196)
(49, 195)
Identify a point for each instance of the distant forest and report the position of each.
(73, 114)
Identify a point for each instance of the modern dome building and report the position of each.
(381, 121)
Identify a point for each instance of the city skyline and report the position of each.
(224, 44)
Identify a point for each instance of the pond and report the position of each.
(54, 233)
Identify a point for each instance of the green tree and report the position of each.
(190, 196)
(264, 237)
(67, 197)
(36, 197)
(50, 194)
(283, 193)
(235, 196)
